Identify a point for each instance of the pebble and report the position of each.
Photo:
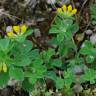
(88, 32)
(61, 2)
(64, 2)
(78, 70)
(37, 33)
(77, 88)
(12, 82)
(93, 39)
(51, 1)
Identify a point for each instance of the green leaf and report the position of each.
(59, 83)
(48, 54)
(16, 73)
(90, 59)
(23, 61)
(28, 32)
(51, 75)
(26, 85)
(69, 35)
(4, 44)
(33, 79)
(34, 53)
(88, 49)
(60, 37)
(63, 49)
(74, 28)
(68, 77)
(53, 42)
(54, 30)
(85, 51)
(38, 70)
(58, 21)
(4, 77)
(26, 46)
(57, 63)
(90, 75)
(37, 62)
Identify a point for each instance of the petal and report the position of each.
(16, 29)
(69, 8)
(59, 10)
(23, 28)
(74, 11)
(64, 7)
(4, 68)
(10, 34)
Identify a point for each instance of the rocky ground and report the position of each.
(36, 13)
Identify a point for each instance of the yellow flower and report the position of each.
(67, 11)
(59, 10)
(23, 28)
(74, 11)
(4, 67)
(19, 30)
(10, 34)
(16, 29)
(64, 7)
(69, 8)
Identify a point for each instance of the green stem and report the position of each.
(77, 94)
(74, 45)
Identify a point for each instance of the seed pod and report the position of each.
(4, 67)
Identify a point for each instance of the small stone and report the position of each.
(83, 45)
(78, 70)
(51, 1)
(88, 32)
(64, 2)
(12, 82)
(77, 4)
(40, 19)
(37, 33)
(77, 88)
(93, 39)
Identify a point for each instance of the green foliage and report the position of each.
(4, 77)
(64, 63)
(16, 73)
(93, 13)
(90, 75)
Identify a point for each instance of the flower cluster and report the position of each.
(13, 31)
(68, 11)
(3, 67)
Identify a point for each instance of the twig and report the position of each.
(83, 6)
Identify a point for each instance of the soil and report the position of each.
(11, 91)
(43, 23)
